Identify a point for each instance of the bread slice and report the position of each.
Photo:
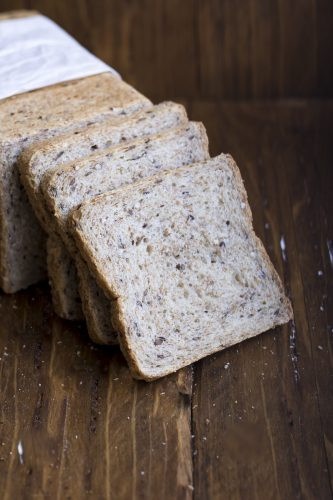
(35, 116)
(71, 184)
(45, 157)
(179, 253)
(79, 181)
(63, 280)
(97, 307)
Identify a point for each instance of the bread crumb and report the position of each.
(20, 451)
(330, 250)
(283, 248)
(226, 366)
(320, 347)
(320, 272)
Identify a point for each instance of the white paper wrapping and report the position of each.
(36, 52)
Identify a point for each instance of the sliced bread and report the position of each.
(44, 157)
(79, 181)
(179, 254)
(97, 307)
(71, 184)
(63, 280)
(32, 117)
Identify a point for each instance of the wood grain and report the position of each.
(254, 421)
(271, 395)
(85, 426)
(206, 49)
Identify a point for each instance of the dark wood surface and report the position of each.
(254, 421)
(203, 49)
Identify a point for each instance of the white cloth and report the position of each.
(36, 52)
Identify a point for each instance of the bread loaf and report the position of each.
(26, 119)
(45, 157)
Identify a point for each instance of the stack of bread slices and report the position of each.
(141, 233)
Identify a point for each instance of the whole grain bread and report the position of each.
(45, 157)
(31, 117)
(78, 181)
(63, 280)
(71, 184)
(97, 307)
(42, 158)
(179, 254)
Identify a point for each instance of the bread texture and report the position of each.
(72, 184)
(97, 307)
(45, 157)
(35, 116)
(63, 280)
(179, 254)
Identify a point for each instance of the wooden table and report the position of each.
(254, 421)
